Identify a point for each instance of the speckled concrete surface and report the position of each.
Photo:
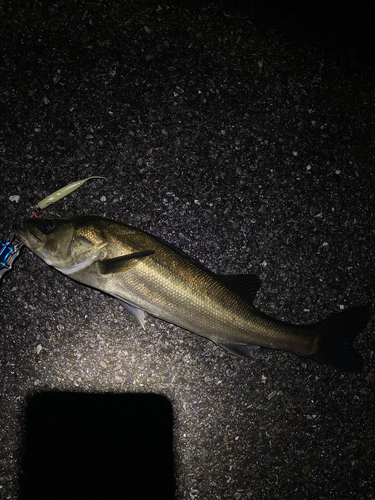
(249, 149)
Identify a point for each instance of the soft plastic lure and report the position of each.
(61, 193)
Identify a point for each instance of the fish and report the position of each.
(149, 275)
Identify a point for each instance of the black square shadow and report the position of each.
(88, 446)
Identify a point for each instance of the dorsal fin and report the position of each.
(245, 285)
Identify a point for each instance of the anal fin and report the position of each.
(241, 350)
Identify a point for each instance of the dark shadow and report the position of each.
(343, 30)
(88, 446)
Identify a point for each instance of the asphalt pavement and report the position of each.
(246, 140)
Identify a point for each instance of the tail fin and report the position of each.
(335, 338)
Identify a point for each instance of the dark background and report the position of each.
(243, 133)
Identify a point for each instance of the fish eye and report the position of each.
(48, 226)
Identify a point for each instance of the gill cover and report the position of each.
(67, 244)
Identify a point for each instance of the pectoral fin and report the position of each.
(123, 263)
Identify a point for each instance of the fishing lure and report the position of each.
(9, 251)
(64, 191)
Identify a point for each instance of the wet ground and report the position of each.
(243, 138)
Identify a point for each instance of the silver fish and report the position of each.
(152, 276)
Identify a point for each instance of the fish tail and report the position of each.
(335, 337)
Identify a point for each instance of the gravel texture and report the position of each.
(248, 147)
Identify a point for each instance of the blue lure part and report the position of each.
(8, 253)
(6, 249)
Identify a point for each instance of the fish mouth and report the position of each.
(29, 238)
(20, 231)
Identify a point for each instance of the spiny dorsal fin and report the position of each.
(245, 285)
(122, 263)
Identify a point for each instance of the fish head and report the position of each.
(69, 244)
